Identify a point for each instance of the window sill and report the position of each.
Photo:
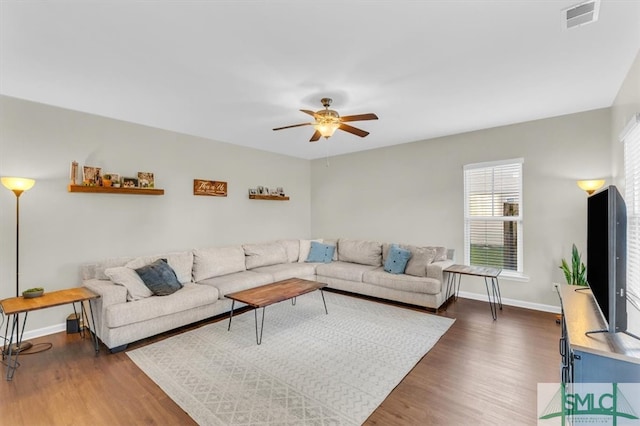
(514, 276)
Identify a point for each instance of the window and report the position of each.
(631, 139)
(493, 215)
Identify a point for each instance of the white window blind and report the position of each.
(631, 139)
(493, 215)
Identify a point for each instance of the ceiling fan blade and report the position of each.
(306, 111)
(315, 137)
(359, 117)
(293, 125)
(354, 130)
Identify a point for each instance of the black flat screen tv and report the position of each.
(607, 256)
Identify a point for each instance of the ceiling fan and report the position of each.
(327, 121)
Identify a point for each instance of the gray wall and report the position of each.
(61, 230)
(414, 193)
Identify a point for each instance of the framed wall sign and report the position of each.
(209, 187)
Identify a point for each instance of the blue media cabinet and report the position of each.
(594, 358)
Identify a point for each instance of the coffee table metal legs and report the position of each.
(323, 302)
(259, 337)
(255, 313)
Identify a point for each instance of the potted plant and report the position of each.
(576, 273)
(106, 180)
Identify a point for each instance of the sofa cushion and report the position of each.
(320, 252)
(402, 282)
(305, 248)
(397, 260)
(332, 242)
(292, 247)
(160, 278)
(129, 278)
(264, 254)
(188, 297)
(217, 261)
(441, 253)
(283, 271)
(421, 257)
(360, 251)
(180, 262)
(237, 282)
(97, 270)
(343, 270)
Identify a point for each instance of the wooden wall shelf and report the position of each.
(268, 197)
(112, 190)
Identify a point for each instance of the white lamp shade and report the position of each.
(591, 185)
(17, 183)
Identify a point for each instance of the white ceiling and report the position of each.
(233, 70)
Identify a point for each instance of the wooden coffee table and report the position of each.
(265, 295)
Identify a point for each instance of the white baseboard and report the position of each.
(45, 331)
(510, 302)
(513, 302)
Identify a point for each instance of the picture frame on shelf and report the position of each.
(253, 191)
(129, 182)
(115, 179)
(146, 180)
(91, 175)
(260, 190)
(280, 191)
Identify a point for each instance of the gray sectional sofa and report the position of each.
(127, 311)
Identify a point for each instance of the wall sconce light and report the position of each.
(591, 186)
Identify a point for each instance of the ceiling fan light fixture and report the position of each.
(326, 127)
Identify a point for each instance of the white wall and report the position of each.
(61, 230)
(626, 104)
(413, 193)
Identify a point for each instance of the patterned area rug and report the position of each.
(311, 368)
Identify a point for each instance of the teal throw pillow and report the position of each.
(160, 278)
(320, 252)
(397, 260)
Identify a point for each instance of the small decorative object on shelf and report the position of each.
(74, 172)
(209, 187)
(129, 182)
(91, 176)
(33, 292)
(145, 180)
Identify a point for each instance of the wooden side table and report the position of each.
(15, 306)
(490, 274)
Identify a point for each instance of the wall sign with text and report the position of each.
(209, 187)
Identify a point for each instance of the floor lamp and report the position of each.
(18, 186)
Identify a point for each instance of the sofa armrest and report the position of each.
(436, 269)
(110, 293)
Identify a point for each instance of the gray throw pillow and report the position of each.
(160, 278)
(421, 257)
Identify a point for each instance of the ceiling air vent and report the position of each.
(580, 14)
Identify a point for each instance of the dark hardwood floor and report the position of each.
(481, 372)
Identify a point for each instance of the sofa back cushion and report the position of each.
(292, 247)
(180, 262)
(360, 251)
(217, 261)
(264, 254)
